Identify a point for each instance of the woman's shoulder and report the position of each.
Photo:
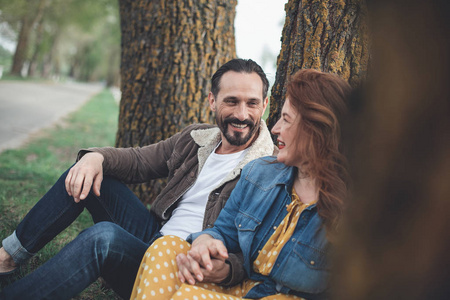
(264, 162)
(265, 170)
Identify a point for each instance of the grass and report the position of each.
(27, 173)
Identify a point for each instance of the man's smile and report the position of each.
(240, 126)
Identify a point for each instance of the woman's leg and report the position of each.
(158, 274)
(197, 292)
(158, 277)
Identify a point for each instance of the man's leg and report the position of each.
(57, 210)
(104, 249)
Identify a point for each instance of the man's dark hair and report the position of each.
(239, 65)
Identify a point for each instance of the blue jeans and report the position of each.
(112, 248)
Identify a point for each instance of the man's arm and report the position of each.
(237, 272)
(141, 164)
(227, 272)
(86, 173)
(137, 164)
(127, 164)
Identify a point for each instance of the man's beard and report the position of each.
(237, 138)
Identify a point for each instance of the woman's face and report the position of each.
(287, 129)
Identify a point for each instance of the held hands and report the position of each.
(86, 173)
(205, 262)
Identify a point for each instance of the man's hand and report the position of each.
(204, 262)
(219, 272)
(86, 173)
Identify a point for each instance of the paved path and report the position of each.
(26, 107)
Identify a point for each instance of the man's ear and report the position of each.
(265, 102)
(212, 101)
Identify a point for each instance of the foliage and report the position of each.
(5, 58)
(27, 173)
(76, 38)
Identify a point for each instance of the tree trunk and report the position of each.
(37, 49)
(49, 65)
(394, 243)
(329, 36)
(170, 49)
(28, 21)
(112, 77)
(22, 47)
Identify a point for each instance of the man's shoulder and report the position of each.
(197, 126)
(194, 127)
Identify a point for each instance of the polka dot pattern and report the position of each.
(204, 291)
(158, 277)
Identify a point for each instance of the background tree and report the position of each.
(24, 14)
(75, 38)
(329, 36)
(170, 49)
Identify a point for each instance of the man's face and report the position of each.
(239, 106)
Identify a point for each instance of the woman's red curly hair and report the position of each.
(320, 99)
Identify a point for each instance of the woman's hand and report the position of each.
(205, 261)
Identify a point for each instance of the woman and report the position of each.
(281, 214)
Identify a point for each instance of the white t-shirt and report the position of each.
(187, 217)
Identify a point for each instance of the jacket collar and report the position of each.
(286, 178)
(208, 139)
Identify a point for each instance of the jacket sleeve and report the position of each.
(136, 165)
(237, 272)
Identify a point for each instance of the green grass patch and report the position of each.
(27, 173)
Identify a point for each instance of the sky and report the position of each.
(258, 27)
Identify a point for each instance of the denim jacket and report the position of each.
(255, 208)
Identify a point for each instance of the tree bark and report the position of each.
(329, 36)
(170, 49)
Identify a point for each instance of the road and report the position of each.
(27, 107)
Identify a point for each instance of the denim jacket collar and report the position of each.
(286, 177)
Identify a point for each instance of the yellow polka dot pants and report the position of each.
(157, 277)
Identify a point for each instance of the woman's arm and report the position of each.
(211, 246)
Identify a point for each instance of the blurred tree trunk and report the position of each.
(329, 36)
(170, 49)
(394, 243)
(49, 64)
(112, 77)
(37, 50)
(33, 16)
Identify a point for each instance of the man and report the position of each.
(202, 163)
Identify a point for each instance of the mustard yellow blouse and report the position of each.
(269, 253)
